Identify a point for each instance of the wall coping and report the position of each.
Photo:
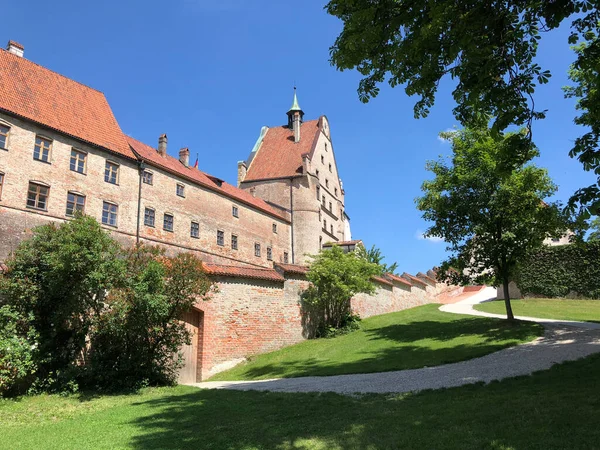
(242, 272)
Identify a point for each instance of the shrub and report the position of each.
(137, 340)
(18, 345)
(562, 271)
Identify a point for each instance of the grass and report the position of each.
(548, 308)
(554, 409)
(417, 337)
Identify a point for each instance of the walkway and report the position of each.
(562, 341)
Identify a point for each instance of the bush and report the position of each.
(137, 340)
(18, 345)
(562, 271)
(350, 322)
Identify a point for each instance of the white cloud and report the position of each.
(420, 235)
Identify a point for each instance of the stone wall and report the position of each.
(251, 316)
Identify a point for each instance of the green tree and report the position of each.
(335, 277)
(595, 230)
(488, 205)
(60, 279)
(488, 47)
(375, 256)
(136, 338)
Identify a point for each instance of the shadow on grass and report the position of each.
(413, 345)
(553, 409)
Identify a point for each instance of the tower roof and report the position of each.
(295, 105)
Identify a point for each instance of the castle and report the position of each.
(62, 151)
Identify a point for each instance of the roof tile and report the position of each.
(279, 156)
(243, 272)
(35, 93)
(292, 268)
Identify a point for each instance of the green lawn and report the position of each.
(555, 409)
(417, 337)
(548, 308)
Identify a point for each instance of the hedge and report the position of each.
(562, 271)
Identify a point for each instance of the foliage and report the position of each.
(374, 255)
(562, 271)
(595, 230)
(488, 205)
(488, 48)
(18, 347)
(335, 277)
(135, 339)
(59, 279)
(350, 322)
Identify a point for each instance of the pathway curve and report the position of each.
(562, 341)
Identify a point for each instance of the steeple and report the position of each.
(295, 117)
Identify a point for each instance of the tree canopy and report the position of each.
(488, 206)
(488, 47)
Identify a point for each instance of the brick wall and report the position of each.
(248, 316)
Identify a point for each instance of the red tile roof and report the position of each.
(173, 165)
(292, 268)
(397, 279)
(426, 278)
(35, 93)
(414, 280)
(279, 156)
(355, 242)
(243, 272)
(382, 280)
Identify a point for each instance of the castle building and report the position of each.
(62, 151)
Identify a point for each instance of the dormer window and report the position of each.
(4, 130)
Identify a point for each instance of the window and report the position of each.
(275, 228)
(318, 192)
(320, 241)
(286, 257)
(325, 146)
(75, 203)
(322, 159)
(147, 177)
(195, 230)
(234, 211)
(234, 243)
(149, 217)
(220, 238)
(331, 228)
(317, 173)
(41, 150)
(111, 172)
(37, 196)
(1, 184)
(323, 198)
(78, 160)
(325, 224)
(326, 183)
(109, 214)
(330, 167)
(168, 222)
(330, 207)
(269, 254)
(335, 192)
(257, 249)
(4, 136)
(180, 190)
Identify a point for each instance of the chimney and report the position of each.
(242, 170)
(184, 156)
(296, 127)
(162, 145)
(15, 48)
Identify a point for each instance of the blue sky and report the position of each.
(210, 74)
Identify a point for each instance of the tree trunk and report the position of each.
(509, 311)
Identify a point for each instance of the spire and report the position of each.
(295, 111)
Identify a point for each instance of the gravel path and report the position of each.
(561, 342)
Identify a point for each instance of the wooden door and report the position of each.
(187, 374)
